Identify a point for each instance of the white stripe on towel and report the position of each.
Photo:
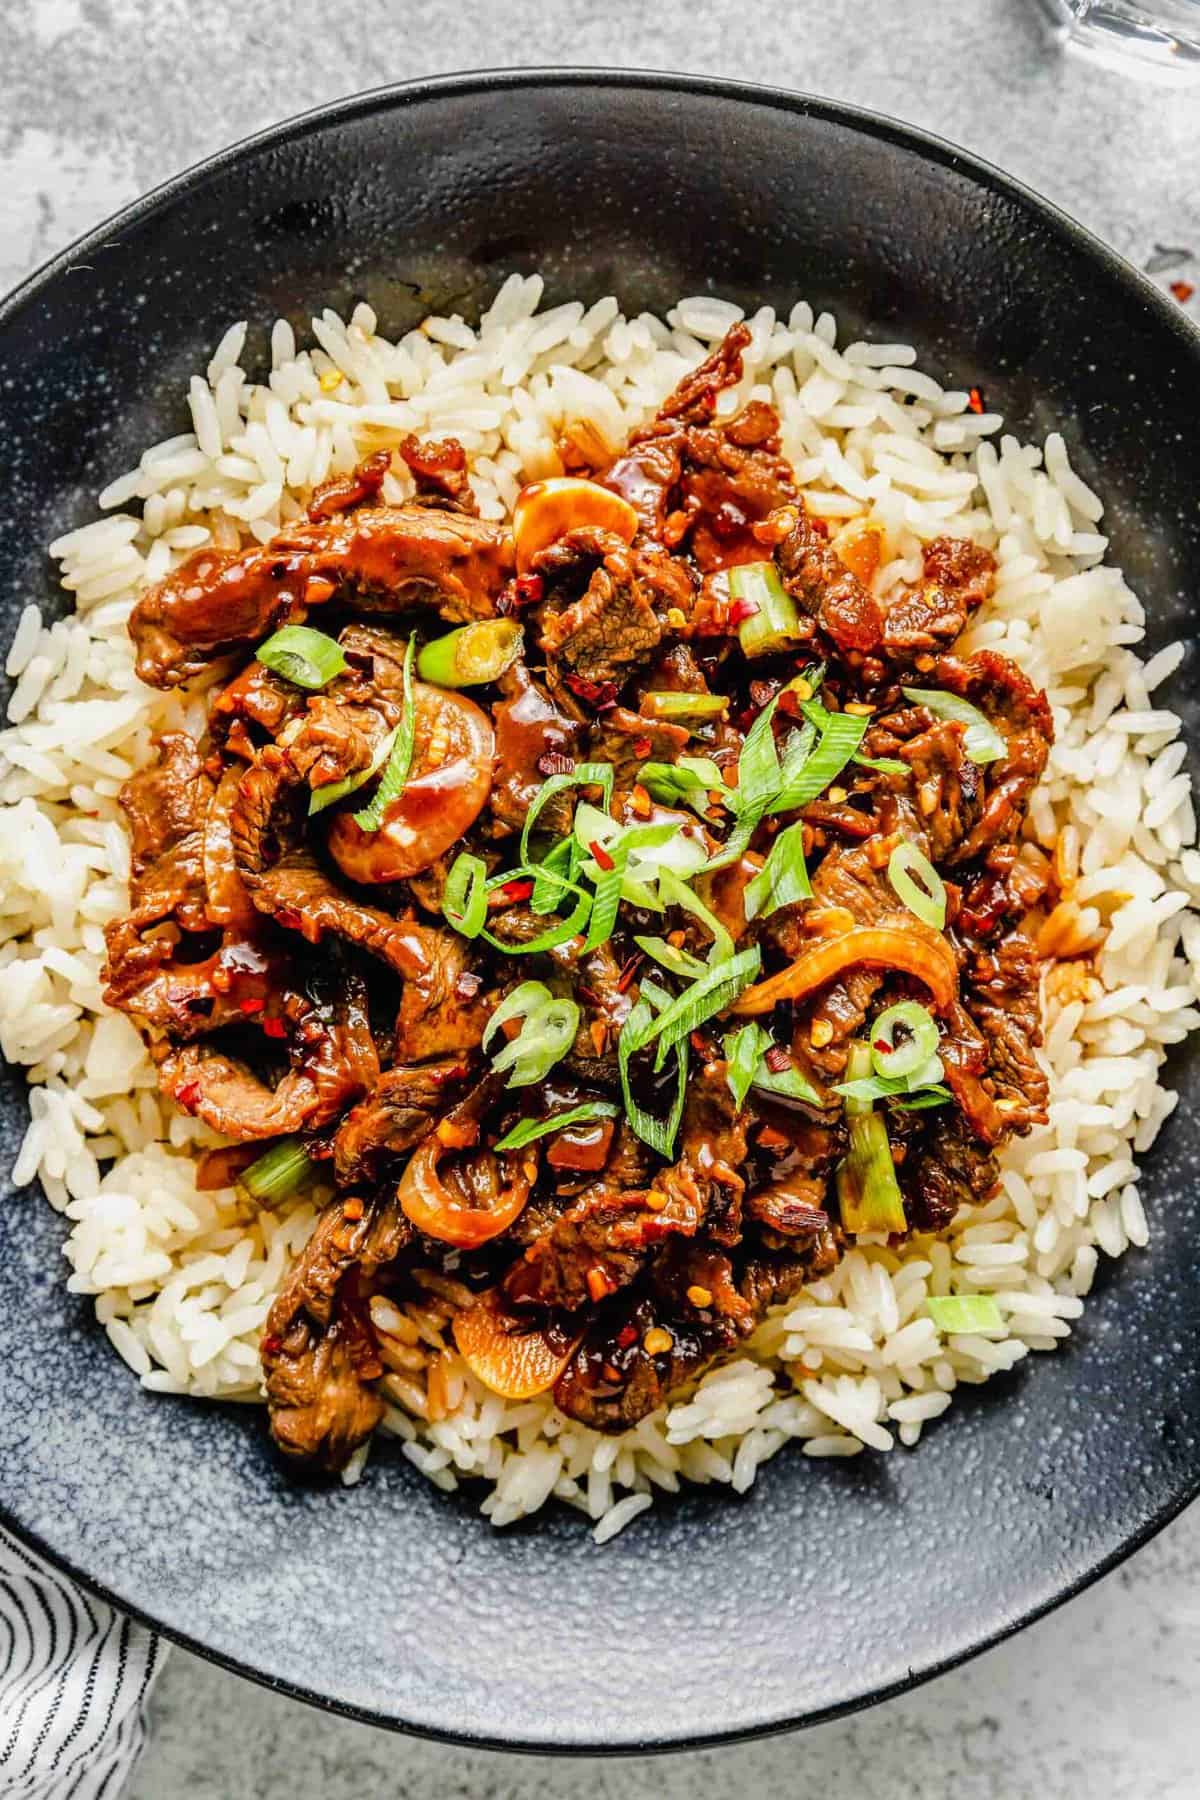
(74, 1680)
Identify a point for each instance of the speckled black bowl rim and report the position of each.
(877, 125)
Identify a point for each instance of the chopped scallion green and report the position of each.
(982, 742)
(529, 1130)
(395, 774)
(279, 1171)
(307, 658)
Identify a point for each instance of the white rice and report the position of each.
(182, 1280)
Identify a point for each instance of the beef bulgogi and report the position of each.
(624, 991)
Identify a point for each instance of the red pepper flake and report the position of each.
(975, 399)
(626, 1336)
(601, 855)
(555, 762)
(1183, 291)
(253, 1003)
(270, 1345)
(642, 746)
(741, 609)
(627, 974)
(188, 1096)
(274, 1028)
(601, 695)
(529, 589)
(517, 890)
(883, 1047)
(777, 1059)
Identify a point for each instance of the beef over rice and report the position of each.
(594, 894)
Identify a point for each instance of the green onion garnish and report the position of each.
(688, 782)
(683, 706)
(583, 775)
(675, 961)
(788, 1084)
(774, 624)
(783, 878)
(964, 1312)
(529, 1130)
(400, 761)
(548, 1029)
(279, 1171)
(718, 988)
(982, 743)
(322, 797)
(464, 899)
(302, 656)
(933, 1096)
(555, 934)
(562, 860)
(887, 765)
(743, 1053)
(676, 892)
(758, 785)
(473, 654)
(928, 900)
(868, 1192)
(634, 1035)
(902, 1060)
(839, 736)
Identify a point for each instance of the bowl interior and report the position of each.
(830, 1583)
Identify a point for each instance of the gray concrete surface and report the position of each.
(100, 99)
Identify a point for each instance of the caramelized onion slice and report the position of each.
(513, 1359)
(443, 1211)
(546, 510)
(929, 959)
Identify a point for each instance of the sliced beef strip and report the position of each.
(627, 741)
(694, 400)
(439, 468)
(946, 1169)
(1022, 714)
(166, 804)
(605, 1238)
(400, 1110)
(958, 576)
(949, 786)
(825, 589)
(793, 1203)
(530, 727)
(384, 559)
(619, 618)
(1001, 994)
(318, 1350)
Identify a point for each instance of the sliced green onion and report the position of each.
(927, 901)
(743, 1053)
(839, 736)
(715, 990)
(898, 1061)
(305, 657)
(529, 1130)
(933, 1096)
(783, 878)
(555, 934)
(683, 706)
(325, 796)
(675, 961)
(796, 753)
(546, 1034)
(583, 775)
(279, 1171)
(964, 1312)
(527, 998)
(886, 765)
(692, 778)
(610, 882)
(676, 892)
(395, 775)
(982, 743)
(788, 1084)
(559, 861)
(757, 787)
(658, 1133)
(473, 654)
(464, 899)
(868, 1192)
(908, 1096)
(775, 623)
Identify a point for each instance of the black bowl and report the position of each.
(831, 1584)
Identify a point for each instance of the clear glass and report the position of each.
(1160, 38)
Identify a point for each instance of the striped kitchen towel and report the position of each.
(74, 1680)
